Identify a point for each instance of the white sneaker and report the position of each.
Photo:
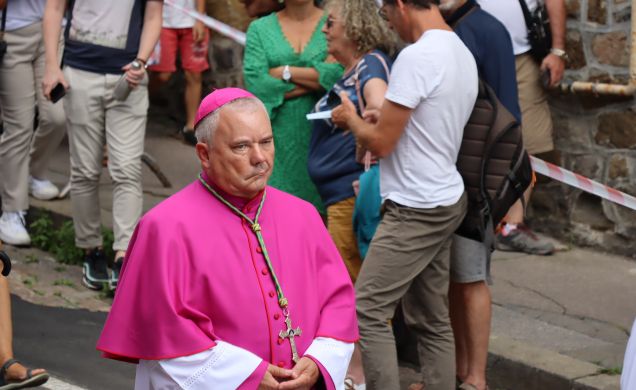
(12, 230)
(42, 189)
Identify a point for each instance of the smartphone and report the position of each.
(57, 93)
(545, 78)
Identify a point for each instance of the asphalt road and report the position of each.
(63, 341)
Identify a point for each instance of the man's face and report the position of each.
(393, 14)
(240, 156)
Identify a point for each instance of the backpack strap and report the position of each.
(454, 23)
(4, 20)
(526, 12)
(361, 101)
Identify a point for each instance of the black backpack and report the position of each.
(493, 163)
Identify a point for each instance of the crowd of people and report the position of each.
(253, 287)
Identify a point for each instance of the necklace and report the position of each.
(290, 333)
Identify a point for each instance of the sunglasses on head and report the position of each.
(382, 14)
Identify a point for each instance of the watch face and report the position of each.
(286, 74)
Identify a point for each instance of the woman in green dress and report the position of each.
(286, 66)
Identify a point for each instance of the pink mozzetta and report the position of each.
(194, 274)
(217, 99)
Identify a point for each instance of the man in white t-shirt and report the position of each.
(430, 97)
(535, 111)
(188, 36)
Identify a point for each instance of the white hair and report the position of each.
(204, 130)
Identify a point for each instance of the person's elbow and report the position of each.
(381, 149)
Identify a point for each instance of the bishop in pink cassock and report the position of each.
(229, 283)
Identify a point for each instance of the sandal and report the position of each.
(6, 268)
(30, 380)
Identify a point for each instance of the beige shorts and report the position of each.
(535, 112)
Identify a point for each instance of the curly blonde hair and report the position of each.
(364, 26)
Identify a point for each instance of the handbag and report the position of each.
(539, 33)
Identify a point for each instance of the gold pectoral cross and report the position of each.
(290, 333)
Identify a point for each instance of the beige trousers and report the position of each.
(536, 118)
(408, 260)
(95, 119)
(23, 151)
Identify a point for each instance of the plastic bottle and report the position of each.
(123, 88)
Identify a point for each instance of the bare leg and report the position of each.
(16, 371)
(516, 212)
(6, 329)
(192, 96)
(157, 79)
(470, 316)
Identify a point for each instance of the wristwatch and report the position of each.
(286, 74)
(560, 53)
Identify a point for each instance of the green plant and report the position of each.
(60, 240)
(611, 371)
(31, 258)
(63, 282)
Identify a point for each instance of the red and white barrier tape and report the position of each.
(583, 183)
(220, 27)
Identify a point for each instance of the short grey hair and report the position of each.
(204, 130)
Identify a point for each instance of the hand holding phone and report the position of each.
(546, 78)
(57, 93)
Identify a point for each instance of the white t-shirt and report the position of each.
(22, 13)
(510, 14)
(175, 18)
(437, 78)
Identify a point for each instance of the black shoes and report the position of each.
(188, 136)
(95, 270)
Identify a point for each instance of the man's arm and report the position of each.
(198, 30)
(153, 18)
(380, 138)
(557, 15)
(225, 366)
(52, 27)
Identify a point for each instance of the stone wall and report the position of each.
(595, 136)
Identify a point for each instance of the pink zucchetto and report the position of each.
(217, 99)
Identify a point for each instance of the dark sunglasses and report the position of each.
(329, 23)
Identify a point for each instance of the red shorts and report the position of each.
(194, 56)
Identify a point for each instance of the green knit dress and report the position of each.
(268, 48)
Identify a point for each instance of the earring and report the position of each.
(281, 2)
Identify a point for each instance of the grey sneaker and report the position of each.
(522, 239)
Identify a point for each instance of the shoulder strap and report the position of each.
(361, 104)
(526, 12)
(470, 11)
(4, 16)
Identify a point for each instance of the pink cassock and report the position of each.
(194, 274)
